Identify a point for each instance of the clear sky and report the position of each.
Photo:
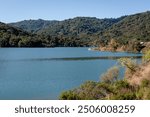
(16, 10)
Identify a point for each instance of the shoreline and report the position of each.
(144, 47)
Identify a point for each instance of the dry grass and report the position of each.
(143, 72)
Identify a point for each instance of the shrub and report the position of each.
(146, 57)
(85, 91)
(69, 95)
(102, 90)
(130, 67)
(121, 84)
(145, 83)
(111, 75)
(128, 63)
(143, 93)
(124, 96)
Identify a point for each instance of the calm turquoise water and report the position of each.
(43, 73)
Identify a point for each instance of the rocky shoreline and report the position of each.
(143, 47)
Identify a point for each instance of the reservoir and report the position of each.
(43, 73)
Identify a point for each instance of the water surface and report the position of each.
(43, 73)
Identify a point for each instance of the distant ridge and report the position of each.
(77, 32)
(132, 27)
(32, 25)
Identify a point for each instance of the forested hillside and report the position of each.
(123, 32)
(81, 27)
(133, 27)
(130, 34)
(79, 31)
(10, 36)
(33, 26)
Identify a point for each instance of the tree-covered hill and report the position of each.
(79, 31)
(4, 28)
(32, 26)
(75, 26)
(133, 27)
(15, 37)
(113, 33)
(78, 26)
(10, 36)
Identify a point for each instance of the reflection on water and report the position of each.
(75, 58)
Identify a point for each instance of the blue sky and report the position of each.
(16, 10)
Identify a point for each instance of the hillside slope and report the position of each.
(81, 30)
(78, 26)
(122, 34)
(127, 34)
(133, 27)
(32, 26)
(15, 37)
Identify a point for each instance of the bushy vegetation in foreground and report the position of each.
(119, 90)
(110, 87)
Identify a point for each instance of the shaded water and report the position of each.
(43, 73)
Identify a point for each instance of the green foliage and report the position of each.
(4, 42)
(76, 32)
(129, 63)
(145, 83)
(127, 31)
(111, 75)
(119, 90)
(143, 91)
(88, 91)
(10, 36)
(69, 95)
(100, 90)
(32, 26)
(79, 25)
(146, 56)
(121, 84)
(126, 96)
(14, 37)
(133, 27)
